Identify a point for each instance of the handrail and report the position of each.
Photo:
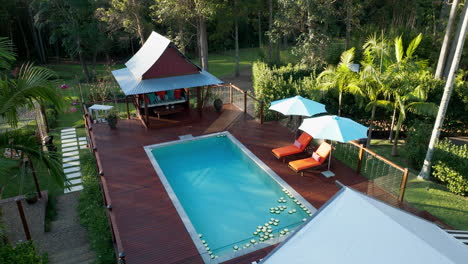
(378, 156)
(105, 192)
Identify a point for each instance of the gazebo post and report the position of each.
(199, 100)
(146, 111)
(128, 109)
(187, 94)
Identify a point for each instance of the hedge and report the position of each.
(451, 166)
(21, 253)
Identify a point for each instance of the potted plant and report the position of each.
(218, 104)
(30, 197)
(112, 118)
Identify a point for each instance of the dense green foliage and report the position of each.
(92, 213)
(416, 144)
(21, 253)
(451, 166)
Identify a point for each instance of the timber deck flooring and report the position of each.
(149, 225)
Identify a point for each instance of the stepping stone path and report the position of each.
(71, 158)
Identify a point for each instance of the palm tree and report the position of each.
(425, 170)
(29, 147)
(341, 77)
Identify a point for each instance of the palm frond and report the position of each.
(347, 57)
(6, 53)
(413, 45)
(399, 49)
(423, 108)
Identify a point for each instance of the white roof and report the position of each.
(147, 55)
(354, 228)
(100, 107)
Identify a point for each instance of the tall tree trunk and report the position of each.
(340, 95)
(41, 44)
(371, 126)
(34, 36)
(426, 169)
(25, 40)
(453, 47)
(84, 67)
(444, 11)
(203, 42)
(139, 26)
(259, 30)
(348, 23)
(392, 126)
(236, 24)
(445, 43)
(397, 133)
(270, 28)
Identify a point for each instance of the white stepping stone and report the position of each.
(68, 159)
(71, 153)
(73, 189)
(69, 149)
(69, 136)
(83, 143)
(83, 146)
(72, 169)
(75, 181)
(68, 129)
(73, 175)
(82, 138)
(71, 164)
(69, 144)
(68, 140)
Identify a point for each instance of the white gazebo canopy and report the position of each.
(354, 228)
(94, 111)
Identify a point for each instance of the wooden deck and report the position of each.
(149, 226)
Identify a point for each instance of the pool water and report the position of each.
(227, 196)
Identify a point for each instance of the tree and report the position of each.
(341, 77)
(192, 12)
(445, 43)
(425, 171)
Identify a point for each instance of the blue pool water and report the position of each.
(225, 194)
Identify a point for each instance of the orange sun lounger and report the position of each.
(303, 141)
(317, 159)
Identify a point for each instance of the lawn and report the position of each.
(427, 195)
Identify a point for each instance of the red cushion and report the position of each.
(298, 144)
(146, 99)
(177, 94)
(161, 94)
(316, 157)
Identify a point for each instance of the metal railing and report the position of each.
(381, 172)
(117, 242)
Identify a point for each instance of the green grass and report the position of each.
(427, 195)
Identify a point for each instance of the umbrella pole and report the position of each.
(329, 173)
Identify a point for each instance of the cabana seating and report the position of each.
(298, 147)
(317, 159)
(163, 98)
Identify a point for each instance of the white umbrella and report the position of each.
(333, 128)
(297, 105)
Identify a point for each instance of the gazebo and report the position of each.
(158, 77)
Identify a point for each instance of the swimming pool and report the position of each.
(230, 202)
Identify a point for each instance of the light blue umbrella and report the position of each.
(297, 105)
(333, 128)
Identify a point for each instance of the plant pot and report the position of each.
(218, 105)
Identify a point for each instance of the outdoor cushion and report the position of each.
(177, 94)
(304, 139)
(146, 99)
(286, 151)
(316, 157)
(158, 99)
(161, 94)
(170, 94)
(152, 98)
(303, 164)
(297, 144)
(324, 150)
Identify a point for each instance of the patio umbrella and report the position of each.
(333, 128)
(297, 105)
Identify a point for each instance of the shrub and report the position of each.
(112, 118)
(416, 144)
(454, 180)
(93, 215)
(451, 166)
(21, 253)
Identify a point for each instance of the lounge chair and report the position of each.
(298, 147)
(317, 159)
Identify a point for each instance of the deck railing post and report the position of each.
(23, 219)
(230, 93)
(262, 104)
(128, 109)
(245, 101)
(404, 179)
(361, 152)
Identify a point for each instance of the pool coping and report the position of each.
(186, 220)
